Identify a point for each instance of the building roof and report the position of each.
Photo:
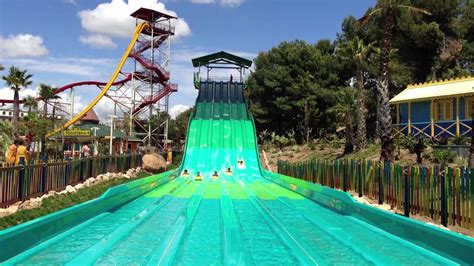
(90, 116)
(150, 15)
(436, 90)
(222, 57)
(102, 131)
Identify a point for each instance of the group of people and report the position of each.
(17, 153)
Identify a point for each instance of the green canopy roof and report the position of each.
(103, 131)
(221, 58)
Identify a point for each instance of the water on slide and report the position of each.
(237, 218)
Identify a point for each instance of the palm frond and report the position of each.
(416, 9)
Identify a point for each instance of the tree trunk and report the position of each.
(45, 109)
(349, 146)
(384, 107)
(16, 113)
(54, 115)
(361, 127)
(307, 117)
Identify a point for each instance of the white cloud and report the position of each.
(113, 19)
(232, 3)
(89, 67)
(72, 2)
(178, 109)
(202, 1)
(7, 93)
(22, 45)
(98, 41)
(225, 3)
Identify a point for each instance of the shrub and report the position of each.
(408, 142)
(460, 140)
(443, 156)
(311, 145)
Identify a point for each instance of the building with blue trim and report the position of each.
(435, 109)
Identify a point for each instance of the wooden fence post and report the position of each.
(359, 173)
(44, 174)
(381, 174)
(21, 185)
(344, 173)
(406, 203)
(444, 214)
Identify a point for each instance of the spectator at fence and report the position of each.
(86, 151)
(11, 152)
(21, 152)
(419, 147)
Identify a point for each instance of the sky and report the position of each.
(66, 41)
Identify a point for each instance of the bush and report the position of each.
(311, 145)
(443, 156)
(408, 142)
(460, 140)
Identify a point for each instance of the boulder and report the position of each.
(52, 193)
(70, 189)
(79, 186)
(153, 163)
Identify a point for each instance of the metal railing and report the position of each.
(18, 183)
(445, 194)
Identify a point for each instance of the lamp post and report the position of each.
(96, 144)
(111, 133)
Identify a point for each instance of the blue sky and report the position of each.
(65, 41)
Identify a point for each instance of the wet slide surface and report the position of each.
(237, 218)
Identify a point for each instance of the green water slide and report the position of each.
(245, 216)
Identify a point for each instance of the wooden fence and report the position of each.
(444, 194)
(18, 183)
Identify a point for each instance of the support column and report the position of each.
(458, 130)
(398, 113)
(432, 118)
(409, 118)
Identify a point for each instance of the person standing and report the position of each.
(11, 152)
(22, 155)
(86, 151)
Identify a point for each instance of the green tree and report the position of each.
(30, 102)
(357, 52)
(294, 81)
(345, 109)
(178, 127)
(387, 9)
(5, 137)
(47, 93)
(16, 80)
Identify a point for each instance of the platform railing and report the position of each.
(444, 194)
(20, 182)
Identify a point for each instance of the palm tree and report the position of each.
(16, 79)
(388, 10)
(46, 93)
(30, 102)
(344, 110)
(356, 51)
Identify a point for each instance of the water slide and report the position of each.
(140, 27)
(244, 216)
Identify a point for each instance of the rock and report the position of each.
(106, 177)
(70, 189)
(153, 162)
(126, 176)
(29, 204)
(52, 193)
(79, 186)
(4, 212)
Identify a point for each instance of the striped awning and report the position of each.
(436, 90)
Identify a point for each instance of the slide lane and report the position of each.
(109, 236)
